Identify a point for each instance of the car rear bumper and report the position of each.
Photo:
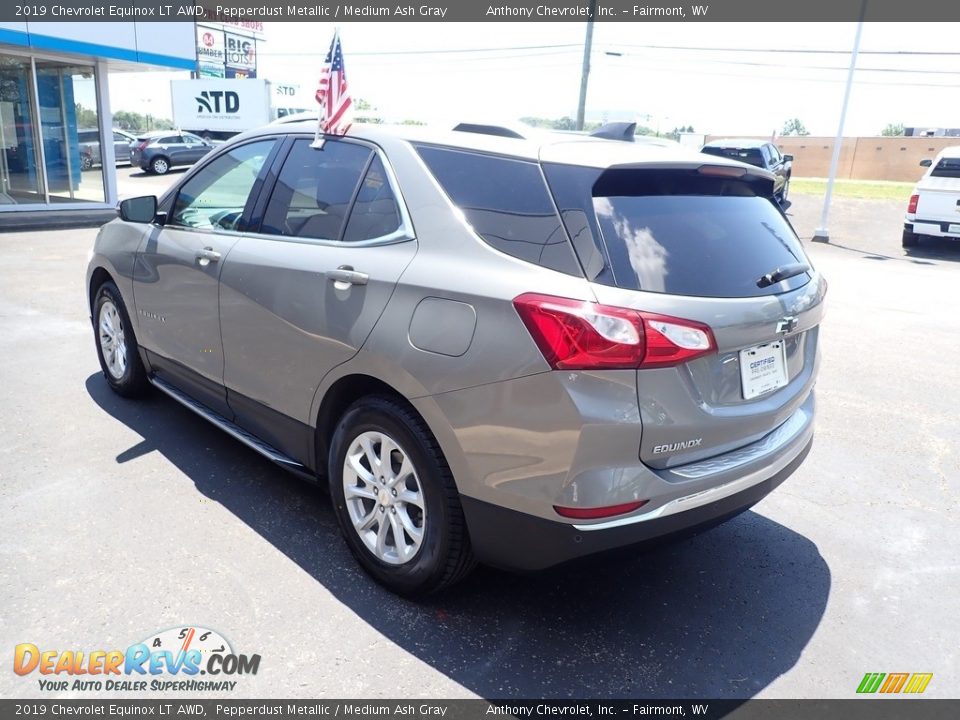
(934, 228)
(518, 541)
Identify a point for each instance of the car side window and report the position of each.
(169, 140)
(117, 137)
(506, 202)
(765, 151)
(375, 212)
(215, 197)
(774, 155)
(314, 188)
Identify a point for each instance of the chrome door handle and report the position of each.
(207, 255)
(347, 275)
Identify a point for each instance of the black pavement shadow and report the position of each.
(721, 615)
(935, 248)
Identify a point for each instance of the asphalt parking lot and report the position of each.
(124, 518)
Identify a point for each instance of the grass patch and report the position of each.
(870, 189)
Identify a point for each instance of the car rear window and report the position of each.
(676, 231)
(751, 156)
(947, 167)
(507, 204)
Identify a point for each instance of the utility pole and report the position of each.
(822, 234)
(585, 73)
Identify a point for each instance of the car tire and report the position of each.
(117, 347)
(159, 166)
(86, 162)
(368, 499)
(785, 190)
(910, 239)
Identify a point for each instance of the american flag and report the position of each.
(332, 94)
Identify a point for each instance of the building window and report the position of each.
(49, 133)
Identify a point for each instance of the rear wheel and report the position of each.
(117, 347)
(159, 165)
(86, 162)
(395, 499)
(910, 239)
(785, 190)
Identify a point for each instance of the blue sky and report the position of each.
(746, 91)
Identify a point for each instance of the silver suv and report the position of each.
(517, 351)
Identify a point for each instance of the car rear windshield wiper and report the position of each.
(782, 273)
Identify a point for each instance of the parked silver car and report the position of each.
(493, 349)
(161, 150)
(89, 141)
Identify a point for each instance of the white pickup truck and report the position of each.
(934, 208)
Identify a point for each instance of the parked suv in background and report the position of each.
(159, 151)
(761, 154)
(934, 207)
(90, 147)
(490, 348)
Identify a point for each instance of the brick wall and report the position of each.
(864, 158)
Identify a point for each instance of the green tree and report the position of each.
(793, 126)
(86, 118)
(892, 130)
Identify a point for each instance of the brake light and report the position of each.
(143, 145)
(599, 512)
(912, 205)
(721, 171)
(580, 335)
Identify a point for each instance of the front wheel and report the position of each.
(159, 166)
(395, 499)
(117, 347)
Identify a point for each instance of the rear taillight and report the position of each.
(142, 146)
(594, 513)
(580, 335)
(912, 205)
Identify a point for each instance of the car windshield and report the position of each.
(747, 155)
(947, 167)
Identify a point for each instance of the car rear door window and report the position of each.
(375, 213)
(215, 197)
(679, 232)
(506, 202)
(314, 190)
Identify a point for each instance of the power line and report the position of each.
(803, 51)
(380, 53)
(917, 71)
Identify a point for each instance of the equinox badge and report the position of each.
(673, 447)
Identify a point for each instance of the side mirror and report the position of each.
(926, 162)
(788, 158)
(139, 209)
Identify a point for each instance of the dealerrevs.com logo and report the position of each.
(170, 660)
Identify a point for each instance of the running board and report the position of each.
(234, 430)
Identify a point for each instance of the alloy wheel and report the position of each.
(113, 344)
(384, 497)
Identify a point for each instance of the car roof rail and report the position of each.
(484, 129)
(616, 131)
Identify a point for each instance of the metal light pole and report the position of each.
(822, 234)
(585, 73)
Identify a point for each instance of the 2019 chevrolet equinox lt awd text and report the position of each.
(517, 351)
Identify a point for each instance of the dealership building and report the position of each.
(55, 108)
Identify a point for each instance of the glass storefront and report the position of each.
(49, 133)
